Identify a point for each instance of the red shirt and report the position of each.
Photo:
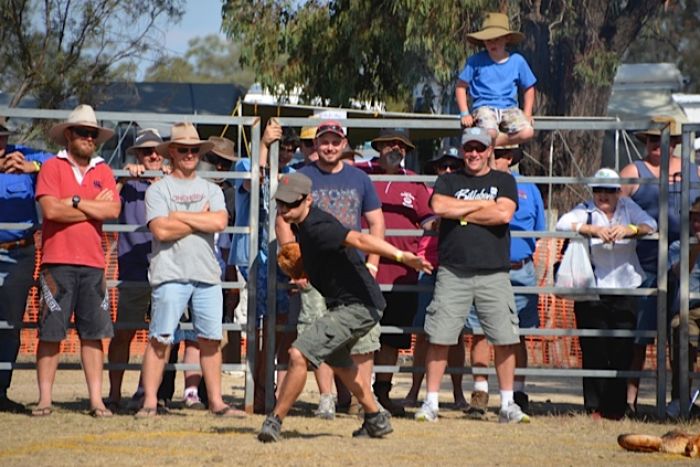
(78, 243)
(405, 206)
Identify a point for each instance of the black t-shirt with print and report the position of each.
(335, 270)
(472, 247)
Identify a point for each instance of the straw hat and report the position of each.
(184, 134)
(495, 25)
(223, 147)
(147, 138)
(675, 127)
(392, 135)
(307, 132)
(83, 116)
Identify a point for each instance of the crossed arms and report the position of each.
(482, 212)
(179, 224)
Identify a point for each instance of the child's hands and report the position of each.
(467, 121)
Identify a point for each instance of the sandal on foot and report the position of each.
(229, 412)
(42, 411)
(112, 406)
(100, 413)
(146, 412)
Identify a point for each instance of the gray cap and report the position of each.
(480, 135)
(293, 187)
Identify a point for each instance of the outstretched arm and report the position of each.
(373, 245)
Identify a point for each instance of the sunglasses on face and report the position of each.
(213, 159)
(605, 190)
(453, 166)
(86, 132)
(476, 147)
(148, 151)
(293, 205)
(188, 149)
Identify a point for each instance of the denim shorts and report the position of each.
(508, 121)
(455, 293)
(424, 298)
(526, 304)
(169, 301)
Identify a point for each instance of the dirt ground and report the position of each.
(558, 435)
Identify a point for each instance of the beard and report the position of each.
(81, 149)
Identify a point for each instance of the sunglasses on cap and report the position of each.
(605, 190)
(330, 129)
(449, 165)
(86, 132)
(293, 205)
(188, 149)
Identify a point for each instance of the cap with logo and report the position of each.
(293, 187)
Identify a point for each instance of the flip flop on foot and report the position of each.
(229, 412)
(100, 413)
(42, 411)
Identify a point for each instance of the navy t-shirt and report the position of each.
(333, 268)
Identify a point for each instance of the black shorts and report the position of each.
(66, 289)
(400, 310)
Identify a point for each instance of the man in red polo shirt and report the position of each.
(76, 192)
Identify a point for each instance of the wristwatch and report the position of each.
(75, 200)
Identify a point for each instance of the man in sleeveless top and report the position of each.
(647, 196)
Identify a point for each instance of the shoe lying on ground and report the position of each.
(10, 406)
(271, 430)
(426, 413)
(478, 405)
(192, 401)
(513, 414)
(523, 401)
(375, 426)
(326, 407)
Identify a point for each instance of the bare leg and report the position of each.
(324, 378)
(455, 359)
(505, 366)
(210, 361)
(47, 354)
(154, 359)
(516, 138)
(118, 353)
(293, 383)
(419, 351)
(92, 356)
(192, 377)
(480, 356)
(638, 357)
(435, 362)
(386, 356)
(356, 382)
(521, 358)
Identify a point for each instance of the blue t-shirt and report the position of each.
(17, 195)
(528, 217)
(346, 195)
(134, 247)
(496, 84)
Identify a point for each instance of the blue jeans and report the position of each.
(169, 301)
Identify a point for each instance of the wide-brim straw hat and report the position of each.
(392, 135)
(675, 127)
(495, 25)
(147, 138)
(184, 134)
(82, 116)
(223, 147)
(513, 149)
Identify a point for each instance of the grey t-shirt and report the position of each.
(191, 258)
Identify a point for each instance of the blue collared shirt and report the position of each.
(17, 195)
(529, 217)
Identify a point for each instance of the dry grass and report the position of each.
(558, 435)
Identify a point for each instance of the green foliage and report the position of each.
(57, 49)
(597, 68)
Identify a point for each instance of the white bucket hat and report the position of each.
(83, 116)
(184, 133)
(608, 174)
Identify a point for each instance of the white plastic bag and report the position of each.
(575, 271)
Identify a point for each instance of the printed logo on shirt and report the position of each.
(97, 184)
(522, 194)
(407, 199)
(188, 198)
(343, 204)
(477, 194)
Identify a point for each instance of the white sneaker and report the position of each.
(513, 414)
(326, 407)
(427, 413)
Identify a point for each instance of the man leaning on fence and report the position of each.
(19, 166)
(77, 193)
(184, 211)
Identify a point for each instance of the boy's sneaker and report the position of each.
(426, 413)
(374, 427)
(478, 405)
(326, 407)
(271, 430)
(522, 399)
(513, 414)
(192, 401)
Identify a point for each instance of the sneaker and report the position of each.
(271, 430)
(522, 399)
(478, 405)
(513, 414)
(426, 413)
(326, 407)
(374, 427)
(192, 401)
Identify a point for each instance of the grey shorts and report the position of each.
(332, 336)
(454, 295)
(68, 289)
(313, 307)
(134, 303)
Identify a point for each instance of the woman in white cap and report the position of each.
(612, 224)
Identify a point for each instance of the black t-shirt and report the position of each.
(471, 247)
(335, 270)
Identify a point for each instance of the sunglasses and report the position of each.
(293, 205)
(148, 151)
(330, 129)
(453, 166)
(287, 148)
(188, 149)
(86, 132)
(475, 147)
(605, 190)
(213, 159)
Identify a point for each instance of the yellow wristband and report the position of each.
(37, 166)
(399, 256)
(635, 229)
(371, 267)
(463, 221)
